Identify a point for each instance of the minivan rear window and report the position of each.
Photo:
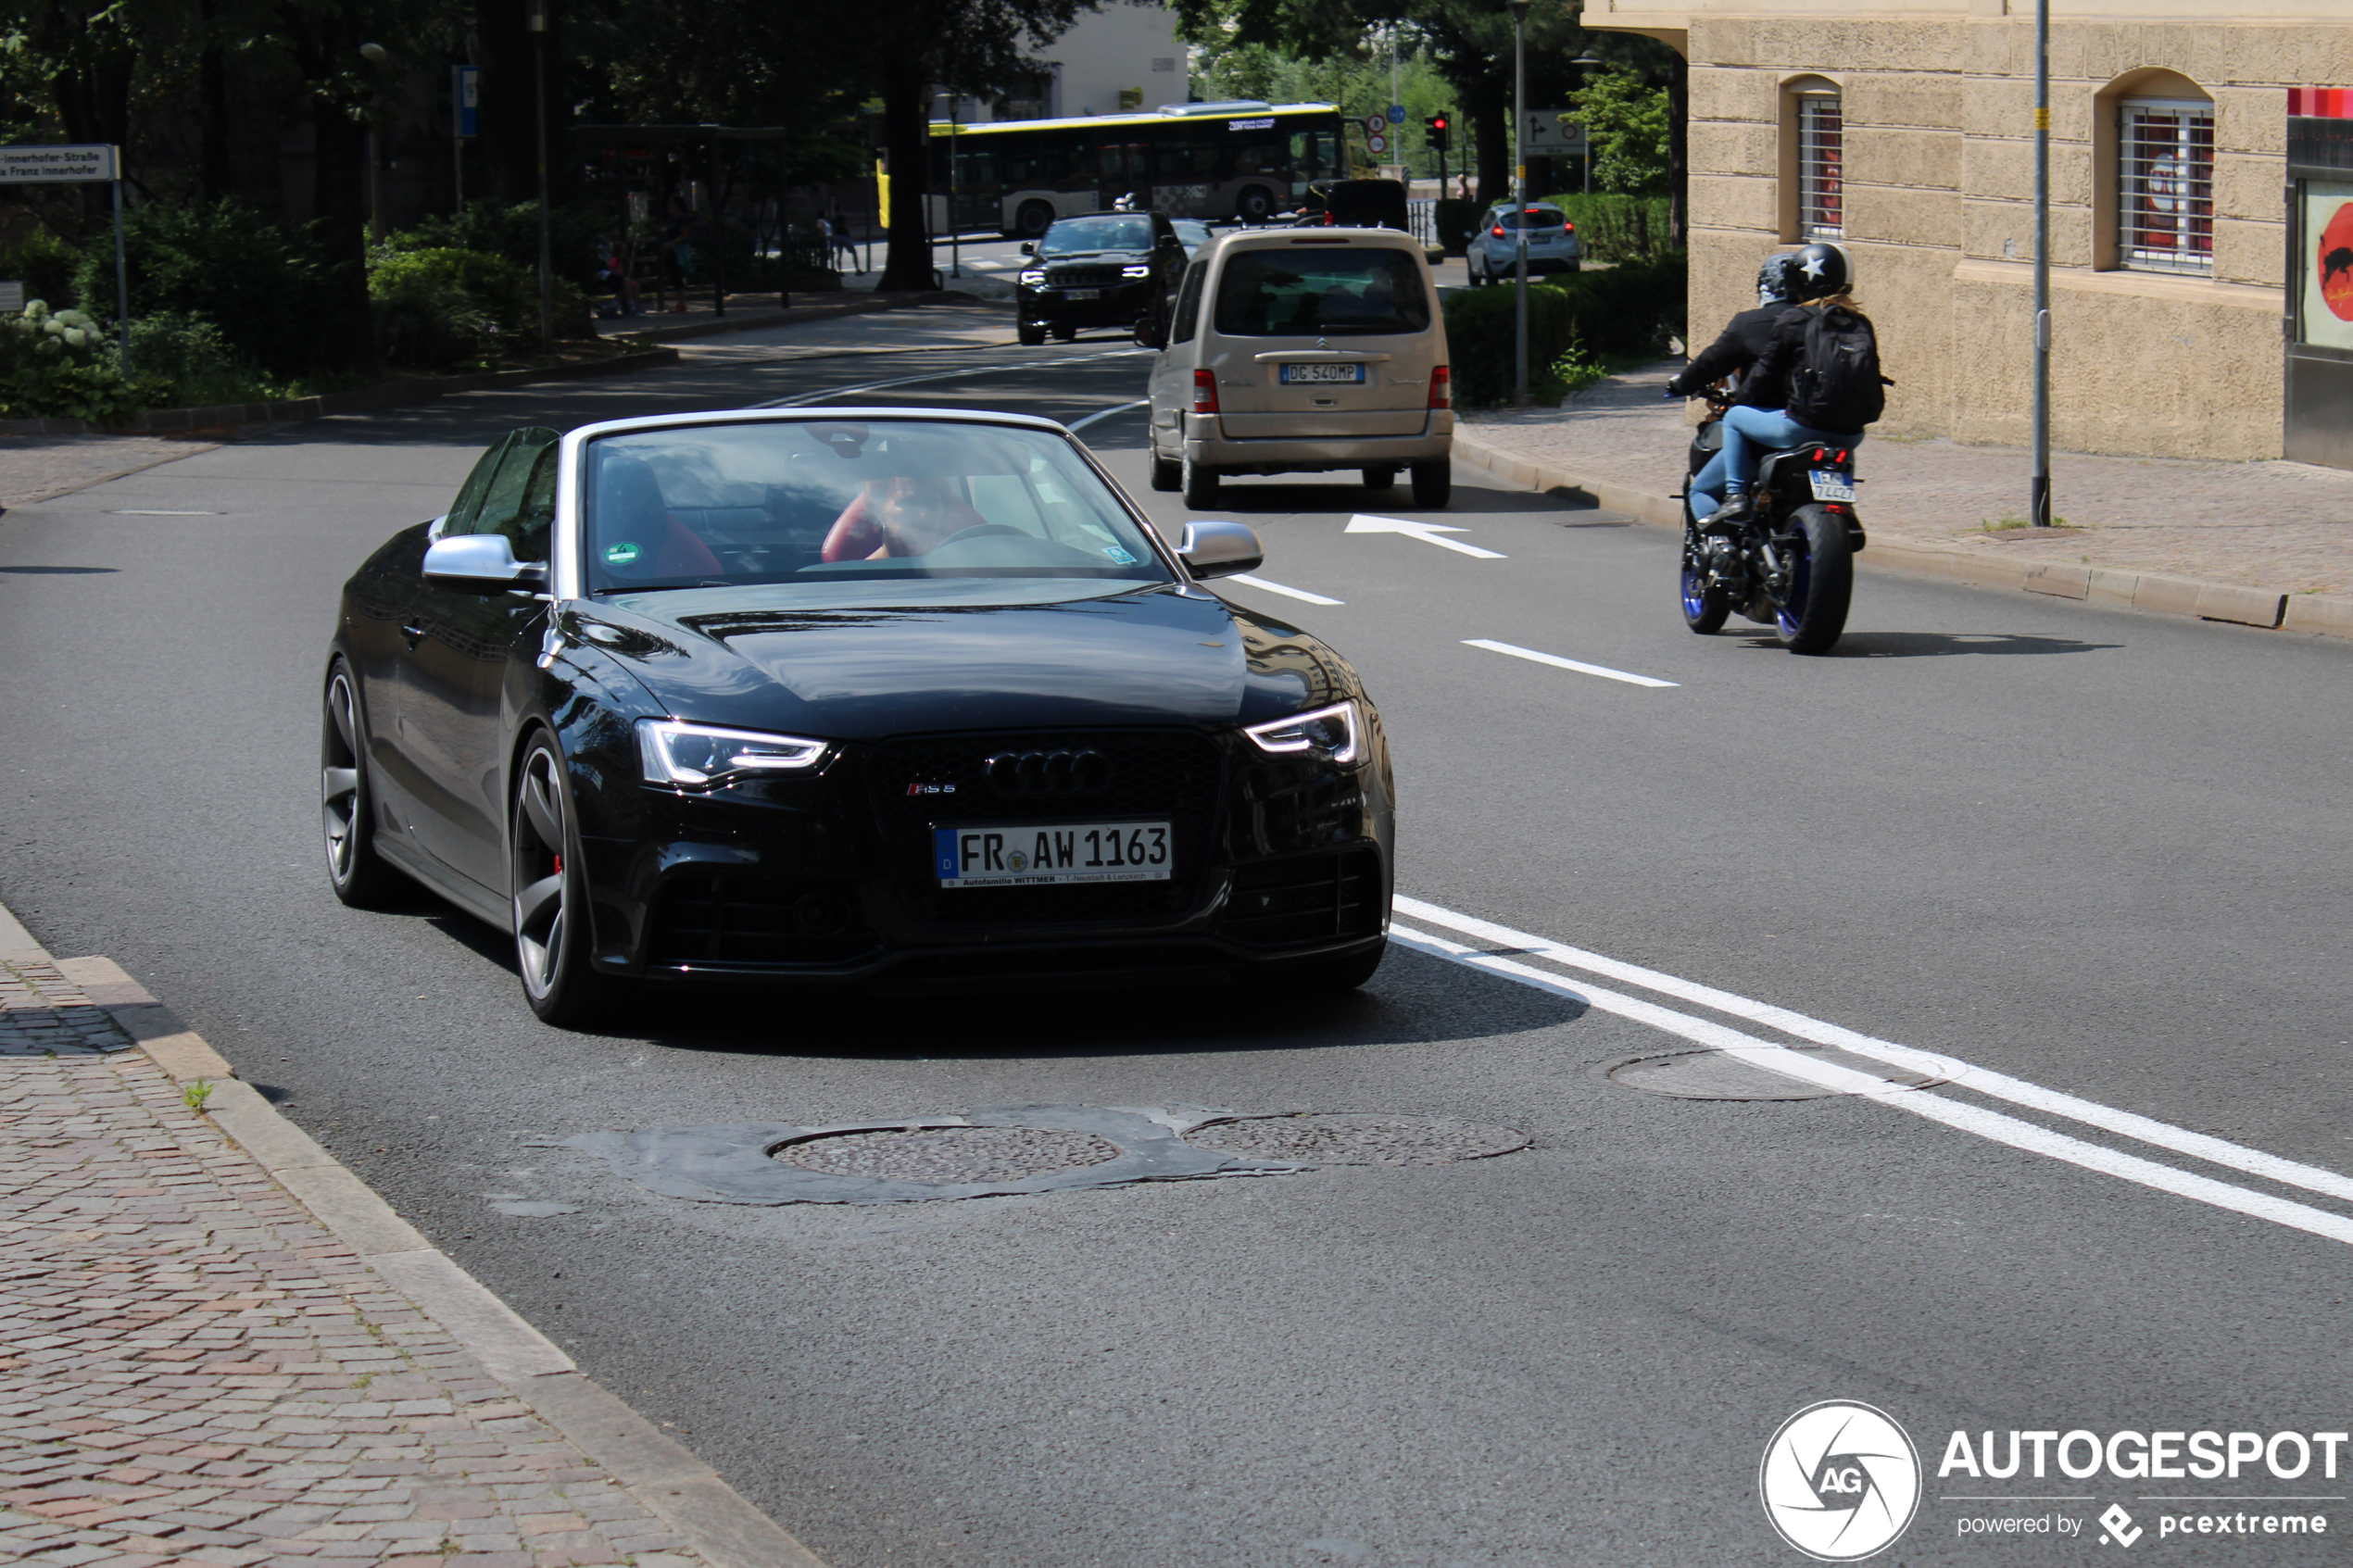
(1325, 292)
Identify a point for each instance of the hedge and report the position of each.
(1615, 227)
(1622, 312)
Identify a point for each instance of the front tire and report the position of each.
(1033, 219)
(1434, 483)
(1029, 333)
(1821, 582)
(348, 807)
(552, 930)
(1254, 206)
(1705, 605)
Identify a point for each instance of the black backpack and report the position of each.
(1838, 386)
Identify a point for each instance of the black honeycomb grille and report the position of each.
(706, 917)
(1305, 899)
(1082, 277)
(1174, 776)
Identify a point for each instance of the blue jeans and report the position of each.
(1707, 485)
(1750, 432)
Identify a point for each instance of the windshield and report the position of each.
(1322, 292)
(821, 502)
(1077, 236)
(1533, 217)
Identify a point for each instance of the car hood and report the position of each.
(1167, 655)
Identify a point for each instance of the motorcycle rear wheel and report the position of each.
(1821, 582)
(1705, 605)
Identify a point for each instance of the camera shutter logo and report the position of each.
(1840, 1481)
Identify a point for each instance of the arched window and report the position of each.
(1813, 161)
(2155, 147)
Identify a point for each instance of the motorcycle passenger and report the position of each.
(1821, 278)
(1743, 342)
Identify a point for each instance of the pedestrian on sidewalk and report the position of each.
(841, 242)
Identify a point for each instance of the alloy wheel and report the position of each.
(540, 881)
(339, 780)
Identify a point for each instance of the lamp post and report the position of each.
(535, 18)
(2039, 496)
(378, 56)
(1584, 63)
(1519, 187)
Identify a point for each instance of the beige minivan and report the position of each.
(1301, 351)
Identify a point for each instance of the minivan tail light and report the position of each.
(1442, 388)
(1204, 392)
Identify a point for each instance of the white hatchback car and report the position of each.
(1552, 245)
(1301, 351)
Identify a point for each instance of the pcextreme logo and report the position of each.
(1840, 1481)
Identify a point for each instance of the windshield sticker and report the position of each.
(1119, 554)
(622, 554)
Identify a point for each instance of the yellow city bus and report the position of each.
(1240, 159)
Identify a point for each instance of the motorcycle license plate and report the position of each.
(1053, 852)
(1294, 375)
(1832, 485)
(1082, 294)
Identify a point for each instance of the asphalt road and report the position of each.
(2071, 852)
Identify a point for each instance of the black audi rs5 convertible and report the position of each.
(847, 696)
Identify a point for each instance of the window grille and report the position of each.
(2166, 206)
(1821, 183)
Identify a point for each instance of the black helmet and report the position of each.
(1772, 280)
(1820, 270)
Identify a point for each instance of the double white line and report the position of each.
(1960, 1115)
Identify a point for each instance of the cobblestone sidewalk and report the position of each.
(193, 1371)
(2283, 526)
(38, 468)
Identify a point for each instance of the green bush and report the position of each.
(60, 365)
(512, 230)
(194, 364)
(45, 264)
(1617, 227)
(263, 285)
(1626, 312)
(446, 308)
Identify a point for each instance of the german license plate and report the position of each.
(1832, 485)
(1082, 294)
(1294, 375)
(1001, 856)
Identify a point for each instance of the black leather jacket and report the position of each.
(1743, 343)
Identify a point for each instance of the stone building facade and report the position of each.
(1907, 132)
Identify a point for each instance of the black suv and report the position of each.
(1099, 270)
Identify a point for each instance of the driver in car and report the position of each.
(900, 516)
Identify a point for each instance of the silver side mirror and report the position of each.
(481, 563)
(1221, 550)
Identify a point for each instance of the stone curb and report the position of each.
(683, 1491)
(2327, 614)
(855, 305)
(385, 395)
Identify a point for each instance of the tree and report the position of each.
(74, 65)
(1627, 124)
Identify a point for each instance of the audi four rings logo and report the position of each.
(1840, 1481)
(1049, 772)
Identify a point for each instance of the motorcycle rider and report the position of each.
(1820, 276)
(1742, 343)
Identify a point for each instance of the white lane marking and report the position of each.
(1082, 424)
(1994, 1085)
(1428, 533)
(800, 398)
(1988, 1125)
(1558, 662)
(1251, 582)
(143, 511)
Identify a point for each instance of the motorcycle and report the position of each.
(1789, 564)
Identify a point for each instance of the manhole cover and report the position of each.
(1734, 1074)
(1355, 1139)
(952, 1155)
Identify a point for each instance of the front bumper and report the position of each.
(826, 881)
(1120, 304)
(1210, 449)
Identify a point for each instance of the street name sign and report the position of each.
(69, 164)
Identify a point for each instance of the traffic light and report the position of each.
(1437, 124)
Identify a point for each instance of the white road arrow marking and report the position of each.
(1261, 582)
(1428, 533)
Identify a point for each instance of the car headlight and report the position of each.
(1328, 735)
(1133, 270)
(696, 755)
(1034, 275)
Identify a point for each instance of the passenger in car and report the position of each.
(636, 534)
(901, 517)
